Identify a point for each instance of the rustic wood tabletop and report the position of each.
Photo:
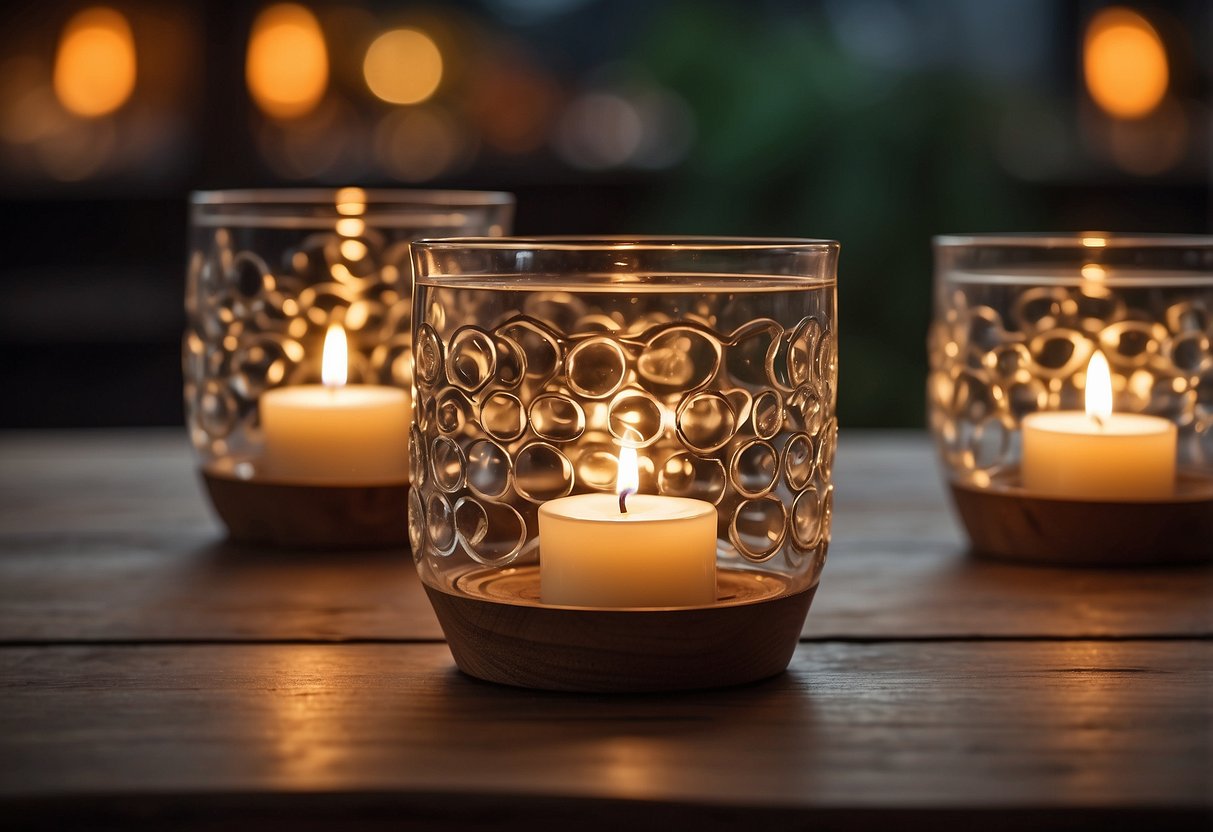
(154, 676)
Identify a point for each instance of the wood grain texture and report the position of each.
(311, 516)
(955, 726)
(920, 590)
(1033, 529)
(107, 480)
(107, 537)
(621, 651)
(97, 482)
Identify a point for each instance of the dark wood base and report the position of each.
(311, 516)
(1008, 524)
(585, 649)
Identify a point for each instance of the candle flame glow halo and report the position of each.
(334, 364)
(1099, 387)
(628, 477)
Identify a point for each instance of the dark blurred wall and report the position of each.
(875, 122)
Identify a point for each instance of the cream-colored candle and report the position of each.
(1099, 455)
(660, 552)
(333, 434)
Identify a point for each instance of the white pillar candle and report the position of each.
(333, 434)
(660, 552)
(1099, 455)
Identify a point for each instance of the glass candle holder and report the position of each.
(1071, 395)
(297, 357)
(622, 453)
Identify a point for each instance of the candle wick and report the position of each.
(1098, 420)
(623, 496)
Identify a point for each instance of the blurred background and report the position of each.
(874, 122)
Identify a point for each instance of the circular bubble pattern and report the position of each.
(596, 367)
(534, 404)
(557, 417)
(635, 418)
(991, 368)
(257, 309)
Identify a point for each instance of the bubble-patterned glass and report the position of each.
(1019, 317)
(538, 360)
(270, 271)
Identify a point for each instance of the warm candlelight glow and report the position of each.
(640, 550)
(287, 68)
(1098, 455)
(1125, 64)
(334, 365)
(333, 433)
(1099, 388)
(627, 480)
(351, 202)
(353, 249)
(403, 66)
(350, 226)
(95, 63)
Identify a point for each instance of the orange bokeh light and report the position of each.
(403, 66)
(287, 67)
(94, 71)
(1125, 64)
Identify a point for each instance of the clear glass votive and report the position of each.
(1071, 394)
(546, 370)
(297, 354)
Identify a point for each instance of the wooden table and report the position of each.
(153, 676)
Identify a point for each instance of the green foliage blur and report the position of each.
(796, 137)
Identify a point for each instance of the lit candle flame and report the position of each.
(1099, 388)
(334, 365)
(627, 481)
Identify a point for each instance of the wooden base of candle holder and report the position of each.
(1008, 524)
(311, 516)
(499, 632)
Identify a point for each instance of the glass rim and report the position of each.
(635, 263)
(1093, 240)
(621, 242)
(371, 197)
